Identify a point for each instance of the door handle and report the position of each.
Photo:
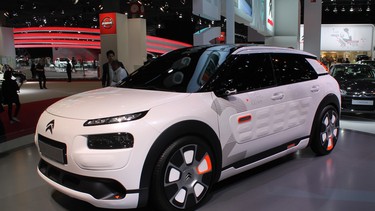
(231, 91)
(277, 96)
(315, 89)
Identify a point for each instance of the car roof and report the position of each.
(270, 49)
(254, 48)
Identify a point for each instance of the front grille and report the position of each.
(53, 150)
(99, 188)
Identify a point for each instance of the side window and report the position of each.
(291, 68)
(248, 72)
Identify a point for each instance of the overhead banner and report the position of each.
(107, 23)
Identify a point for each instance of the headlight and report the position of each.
(343, 92)
(110, 141)
(115, 119)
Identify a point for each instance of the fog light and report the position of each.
(110, 141)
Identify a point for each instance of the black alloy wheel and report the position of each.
(183, 175)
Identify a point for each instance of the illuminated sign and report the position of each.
(107, 23)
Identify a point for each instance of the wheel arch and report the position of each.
(184, 128)
(330, 99)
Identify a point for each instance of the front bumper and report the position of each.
(108, 178)
(96, 191)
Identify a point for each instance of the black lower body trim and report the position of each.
(264, 154)
(99, 188)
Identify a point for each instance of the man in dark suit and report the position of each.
(107, 69)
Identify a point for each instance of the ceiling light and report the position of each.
(360, 9)
(351, 9)
(335, 9)
(368, 9)
(327, 9)
(343, 9)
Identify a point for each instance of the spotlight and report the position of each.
(368, 9)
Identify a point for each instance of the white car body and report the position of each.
(245, 124)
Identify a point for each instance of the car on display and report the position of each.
(62, 62)
(368, 62)
(184, 121)
(361, 57)
(357, 85)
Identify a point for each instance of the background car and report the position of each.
(368, 62)
(185, 120)
(362, 57)
(357, 85)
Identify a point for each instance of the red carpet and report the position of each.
(28, 116)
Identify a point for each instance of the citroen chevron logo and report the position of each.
(50, 126)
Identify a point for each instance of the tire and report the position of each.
(326, 131)
(183, 175)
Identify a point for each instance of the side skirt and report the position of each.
(264, 157)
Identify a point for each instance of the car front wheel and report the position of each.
(183, 175)
(325, 134)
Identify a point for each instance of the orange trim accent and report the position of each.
(243, 119)
(330, 143)
(290, 146)
(209, 165)
(325, 67)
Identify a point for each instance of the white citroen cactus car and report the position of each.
(188, 119)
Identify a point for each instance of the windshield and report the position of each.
(353, 72)
(183, 70)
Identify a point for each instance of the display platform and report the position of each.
(340, 181)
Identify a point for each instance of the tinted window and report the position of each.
(246, 73)
(352, 72)
(291, 68)
(184, 70)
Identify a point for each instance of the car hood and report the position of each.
(110, 101)
(365, 85)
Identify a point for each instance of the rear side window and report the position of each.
(247, 73)
(292, 68)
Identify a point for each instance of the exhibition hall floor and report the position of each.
(340, 181)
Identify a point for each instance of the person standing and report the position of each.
(107, 76)
(41, 73)
(69, 71)
(74, 62)
(10, 89)
(119, 73)
(33, 70)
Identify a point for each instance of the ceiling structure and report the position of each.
(348, 11)
(171, 19)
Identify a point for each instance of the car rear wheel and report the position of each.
(325, 134)
(183, 175)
